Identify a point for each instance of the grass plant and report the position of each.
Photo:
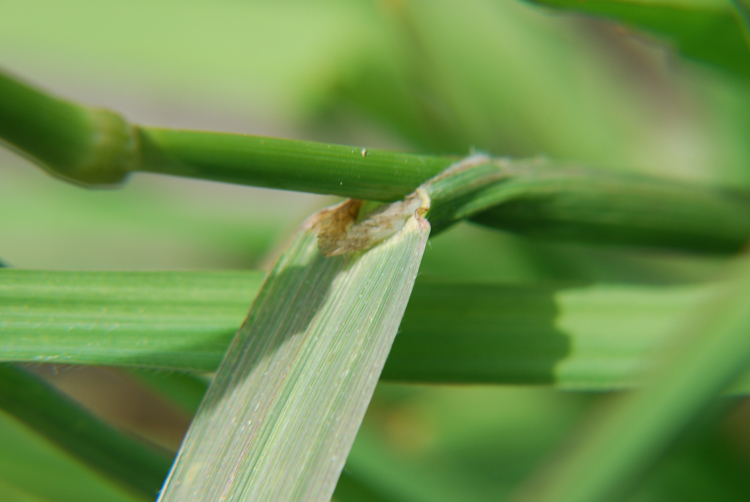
(589, 265)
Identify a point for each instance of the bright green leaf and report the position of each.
(574, 336)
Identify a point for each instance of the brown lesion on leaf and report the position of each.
(334, 223)
(339, 232)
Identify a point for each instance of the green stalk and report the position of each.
(303, 166)
(95, 147)
(531, 197)
(545, 200)
(44, 409)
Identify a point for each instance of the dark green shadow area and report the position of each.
(301, 289)
(507, 334)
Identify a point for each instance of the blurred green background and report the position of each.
(437, 76)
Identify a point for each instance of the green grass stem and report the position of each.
(545, 200)
(77, 143)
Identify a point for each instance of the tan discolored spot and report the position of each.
(334, 223)
(338, 233)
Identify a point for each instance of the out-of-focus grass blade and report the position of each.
(81, 434)
(350, 489)
(444, 96)
(705, 30)
(309, 41)
(743, 11)
(33, 467)
(574, 336)
(457, 444)
(10, 493)
(282, 411)
(620, 444)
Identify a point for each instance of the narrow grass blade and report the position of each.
(284, 407)
(573, 336)
(82, 435)
(620, 444)
(32, 466)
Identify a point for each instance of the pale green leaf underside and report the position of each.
(573, 336)
(282, 412)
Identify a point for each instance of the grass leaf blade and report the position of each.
(150, 319)
(576, 337)
(283, 410)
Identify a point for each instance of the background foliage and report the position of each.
(655, 88)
